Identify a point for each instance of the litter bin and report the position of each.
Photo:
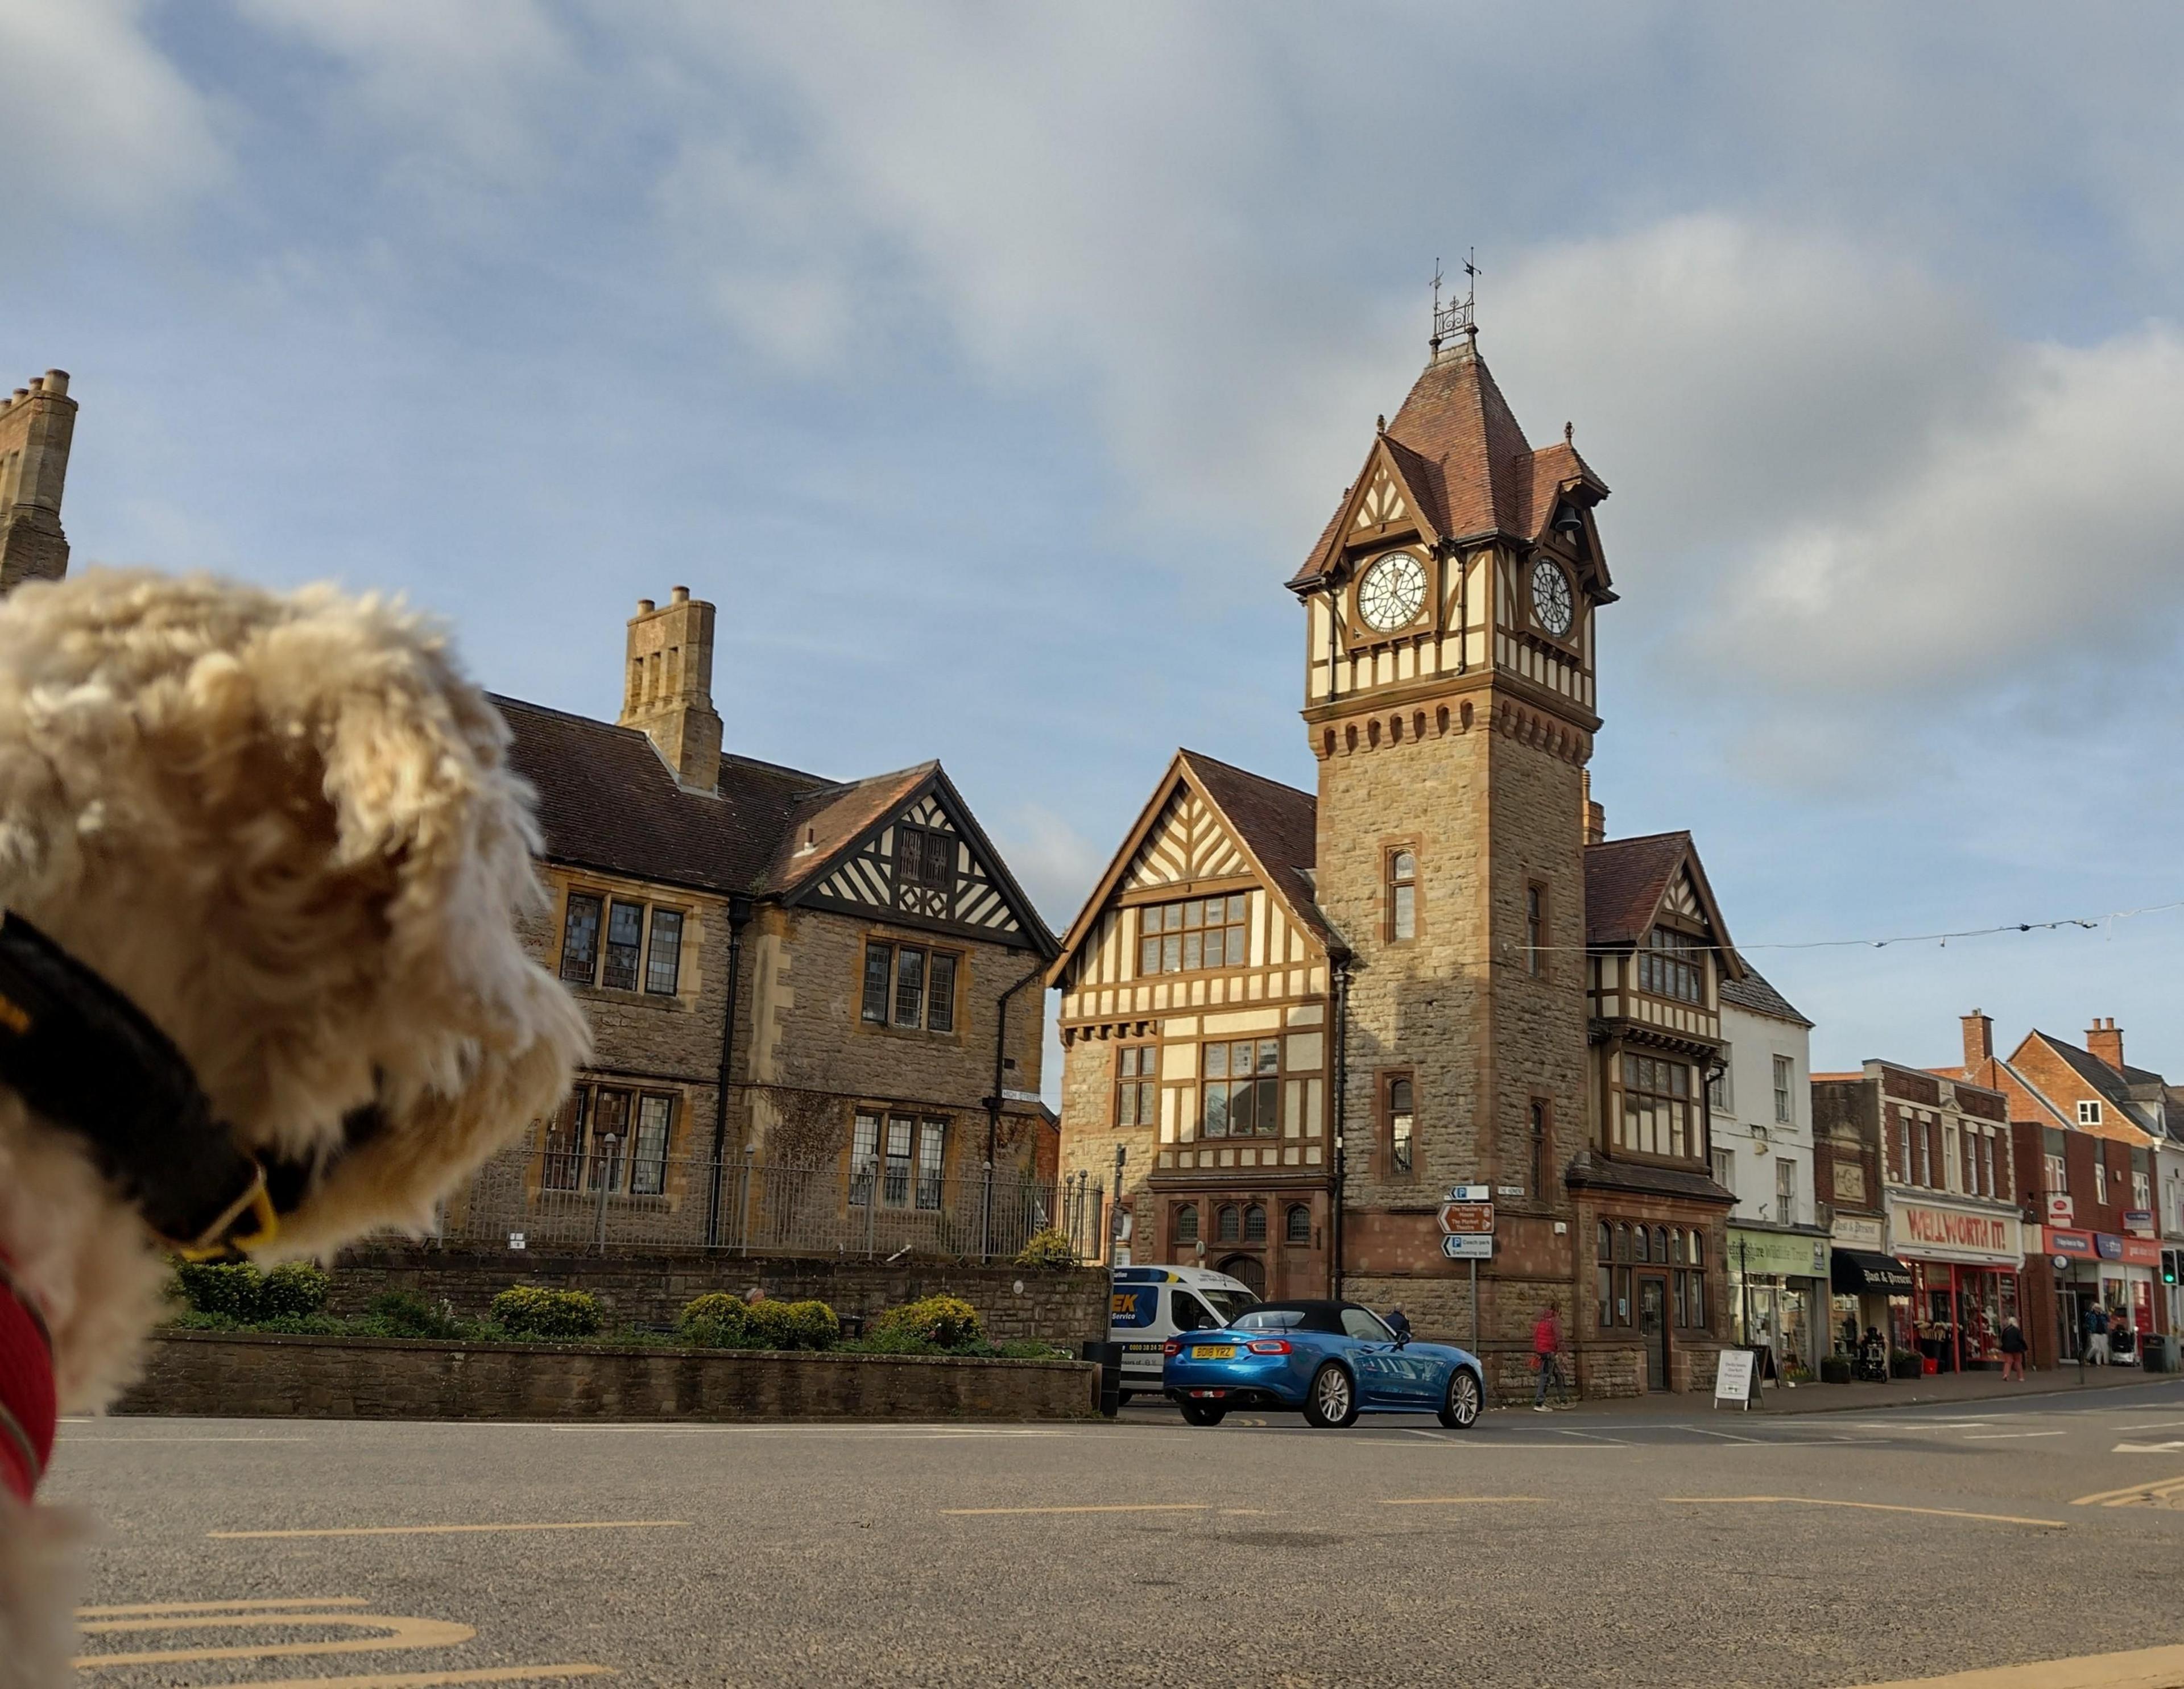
(1108, 1357)
(2157, 1352)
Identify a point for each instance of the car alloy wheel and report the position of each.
(1459, 1411)
(1331, 1401)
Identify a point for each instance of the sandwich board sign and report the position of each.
(1736, 1379)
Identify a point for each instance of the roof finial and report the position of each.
(1380, 425)
(1569, 433)
(1456, 317)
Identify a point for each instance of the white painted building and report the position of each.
(1761, 1105)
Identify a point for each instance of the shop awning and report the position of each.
(1855, 1274)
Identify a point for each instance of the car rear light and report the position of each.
(1170, 1348)
(1269, 1345)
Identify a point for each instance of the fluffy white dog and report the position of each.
(262, 862)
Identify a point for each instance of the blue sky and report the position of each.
(990, 366)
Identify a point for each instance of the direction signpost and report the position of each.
(1467, 1225)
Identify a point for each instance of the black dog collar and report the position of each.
(86, 1057)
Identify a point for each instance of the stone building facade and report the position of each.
(37, 426)
(1301, 1018)
(810, 998)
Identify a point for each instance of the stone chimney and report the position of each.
(1596, 818)
(2105, 1040)
(1979, 1039)
(667, 689)
(37, 423)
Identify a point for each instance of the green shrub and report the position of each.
(295, 1290)
(1049, 1252)
(404, 1313)
(945, 1322)
(304, 1325)
(1906, 1363)
(1834, 1369)
(716, 1321)
(534, 1311)
(878, 1342)
(226, 1288)
(815, 1325)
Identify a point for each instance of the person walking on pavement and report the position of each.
(2096, 1334)
(2013, 1350)
(1546, 1353)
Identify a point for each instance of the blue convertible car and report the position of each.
(1328, 1360)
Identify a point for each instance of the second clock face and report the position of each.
(1392, 593)
(1551, 598)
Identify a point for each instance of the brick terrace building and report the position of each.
(1942, 1147)
(2091, 1134)
(1303, 1017)
(819, 974)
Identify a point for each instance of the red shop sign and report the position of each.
(2139, 1252)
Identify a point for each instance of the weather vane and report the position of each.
(1455, 317)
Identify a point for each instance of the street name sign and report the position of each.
(1469, 1246)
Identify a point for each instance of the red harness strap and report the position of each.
(29, 1413)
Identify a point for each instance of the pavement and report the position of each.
(1841, 1398)
(1632, 1544)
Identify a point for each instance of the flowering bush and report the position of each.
(721, 1321)
(1048, 1251)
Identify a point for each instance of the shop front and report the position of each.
(2121, 1274)
(1964, 1265)
(1778, 1293)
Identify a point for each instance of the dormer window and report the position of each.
(1673, 965)
(2089, 1114)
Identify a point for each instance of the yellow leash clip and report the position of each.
(225, 1236)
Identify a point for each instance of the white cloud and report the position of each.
(94, 120)
(1055, 863)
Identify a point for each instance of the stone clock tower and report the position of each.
(1450, 611)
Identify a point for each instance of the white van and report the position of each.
(1151, 1304)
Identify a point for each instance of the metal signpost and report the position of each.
(1467, 1225)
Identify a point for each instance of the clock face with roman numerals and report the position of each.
(1551, 598)
(1392, 592)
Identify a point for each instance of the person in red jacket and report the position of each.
(1546, 1356)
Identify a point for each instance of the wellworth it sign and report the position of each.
(1934, 1233)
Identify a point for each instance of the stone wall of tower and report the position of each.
(37, 426)
(667, 685)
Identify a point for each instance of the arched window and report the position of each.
(1231, 1223)
(1298, 1222)
(1186, 1224)
(1698, 1249)
(1622, 1240)
(1676, 1244)
(1400, 1123)
(1660, 1243)
(1255, 1223)
(1403, 896)
(1640, 1250)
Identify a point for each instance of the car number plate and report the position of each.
(1215, 1351)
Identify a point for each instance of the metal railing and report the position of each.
(605, 1200)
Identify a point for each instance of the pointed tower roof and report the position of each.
(1466, 461)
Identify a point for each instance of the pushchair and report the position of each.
(1872, 1359)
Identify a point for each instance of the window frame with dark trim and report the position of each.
(906, 1180)
(1542, 1143)
(571, 1157)
(1185, 938)
(1261, 1086)
(1137, 1084)
(1668, 962)
(592, 955)
(1632, 1081)
(887, 988)
(1538, 913)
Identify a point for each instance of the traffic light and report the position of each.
(2168, 1263)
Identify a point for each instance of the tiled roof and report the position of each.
(2101, 1077)
(1278, 824)
(1624, 881)
(1754, 993)
(833, 820)
(1458, 444)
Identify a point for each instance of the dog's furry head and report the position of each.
(283, 825)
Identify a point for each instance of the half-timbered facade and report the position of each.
(809, 997)
(1439, 946)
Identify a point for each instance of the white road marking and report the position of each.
(2147, 1448)
(452, 1530)
(2005, 1436)
(94, 1442)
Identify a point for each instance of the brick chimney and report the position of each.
(668, 690)
(1596, 818)
(38, 425)
(1979, 1039)
(2105, 1040)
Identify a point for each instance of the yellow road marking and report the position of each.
(1449, 1501)
(1111, 1507)
(2139, 1669)
(146, 1607)
(422, 1680)
(2135, 1495)
(453, 1530)
(402, 1633)
(1868, 1507)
